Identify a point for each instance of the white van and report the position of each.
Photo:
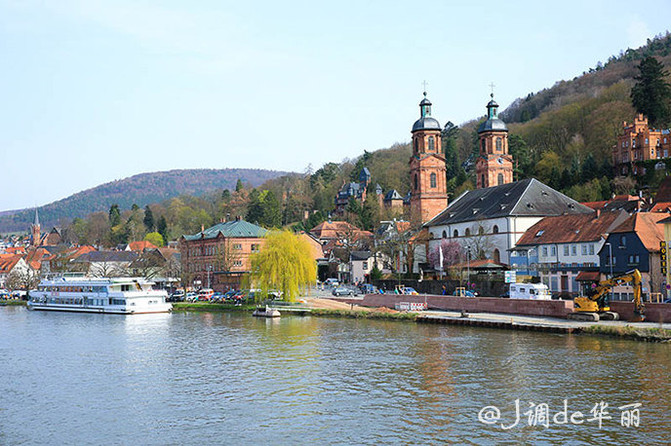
(536, 291)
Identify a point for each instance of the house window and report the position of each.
(237, 246)
(591, 249)
(365, 266)
(431, 143)
(553, 250)
(545, 251)
(623, 241)
(237, 262)
(433, 180)
(574, 250)
(583, 249)
(255, 248)
(566, 250)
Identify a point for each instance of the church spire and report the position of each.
(37, 218)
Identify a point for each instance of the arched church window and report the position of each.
(482, 180)
(483, 145)
(416, 145)
(499, 144)
(431, 143)
(444, 234)
(495, 229)
(456, 233)
(416, 184)
(497, 256)
(433, 180)
(500, 179)
(468, 232)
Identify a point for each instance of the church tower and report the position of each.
(428, 185)
(494, 166)
(35, 231)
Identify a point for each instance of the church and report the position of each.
(488, 221)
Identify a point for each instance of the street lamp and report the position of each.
(209, 269)
(468, 267)
(610, 261)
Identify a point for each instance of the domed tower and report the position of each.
(428, 185)
(494, 165)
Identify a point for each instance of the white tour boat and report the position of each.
(119, 295)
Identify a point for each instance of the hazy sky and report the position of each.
(92, 91)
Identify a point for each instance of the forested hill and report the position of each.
(142, 189)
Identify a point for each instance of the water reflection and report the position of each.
(203, 378)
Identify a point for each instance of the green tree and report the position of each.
(370, 213)
(155, 239)
(284, 263)
(272, 211)
(148, 219)
(114, 215)
(651, 95)
(239, 186)
(226, 196)
(162, 228)
(590, 169)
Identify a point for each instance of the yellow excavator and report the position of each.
(595, 306)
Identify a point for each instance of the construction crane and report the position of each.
(595, 306)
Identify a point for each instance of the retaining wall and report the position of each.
(653, 312)
(552, 308)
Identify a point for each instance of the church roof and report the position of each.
(426, 123)
(528, 197)
(492, 124)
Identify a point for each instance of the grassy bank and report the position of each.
(16, 302)
(652, 334)
(204, 306)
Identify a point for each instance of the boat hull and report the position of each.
(163, 308)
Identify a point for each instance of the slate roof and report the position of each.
(230, 229)
(572, 228)
(529, 198)
(629, 203)
(393, 195)
(360, 255)
(647, 226)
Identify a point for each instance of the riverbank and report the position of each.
(206, 306)
(14, 302)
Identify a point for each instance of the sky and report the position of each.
(92, 91)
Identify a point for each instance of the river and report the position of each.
(218, 378)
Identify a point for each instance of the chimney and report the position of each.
(238, 218)
(202, 228)
(598, 214)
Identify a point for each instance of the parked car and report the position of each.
(401, 289)
(205, 294)
(217, 297)
(177, 296)
(367, 288)
(191, 297)
(344, 291)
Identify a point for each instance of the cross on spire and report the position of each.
(424, 84)
(492, 87)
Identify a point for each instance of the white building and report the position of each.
(489, 222)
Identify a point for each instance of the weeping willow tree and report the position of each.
(285, 263)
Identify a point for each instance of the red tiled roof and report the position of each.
(646, 227)
(8, 262)
(337, 229)
(475, 264)
(588, 276)
(572, 228)
(664, 206)
(141, 245)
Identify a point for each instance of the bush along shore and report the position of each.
(16, 302)
(648, 334)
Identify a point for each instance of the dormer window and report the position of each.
(539, 233)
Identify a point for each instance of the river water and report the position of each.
(211, 378)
